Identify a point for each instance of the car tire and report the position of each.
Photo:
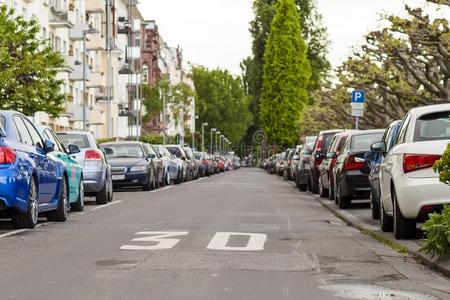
(323, 192)
(79, 205)
(386, 223)
(163, 179)
(331, 193)
(149, 185)
(157, 182)
(403, 228)
(101, 197)
(167, 178)
(297, 182)
(110, 189)
(374, 207)
(179, 177)
(60, 214)
(343, 201)
(28, 219)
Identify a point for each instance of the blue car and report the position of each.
(32, 183)
(374, 160)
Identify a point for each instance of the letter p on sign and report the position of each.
(358, 96)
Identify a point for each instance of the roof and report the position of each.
(370, 131)
(418, 111)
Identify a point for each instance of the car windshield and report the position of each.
(2, 125)
(431, 127)
(175, 151)
(364, 141)
(124, 150)
(327, 138)
(79, 140)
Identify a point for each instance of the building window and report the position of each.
(137, 42)
(44, 33)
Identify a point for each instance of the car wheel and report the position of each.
(110, 189)
(386, 223)
(314, 186)
(323, 192)
(148, 186)
(60, 214)
(375, 208)
(343, 201)
(167, 177)
(331, 194)
(403, 228)
(179, 177)
(28, 219)
(157, 181)
(79, 205)
(285, 175)
(297, 182)
(102, 196)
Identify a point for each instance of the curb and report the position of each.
(439, 265)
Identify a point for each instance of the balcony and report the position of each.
(60, 16)
(76, 32)
(77, 74)
(133, 53)
(97, 80)
(96, 43)
(69, 64)
(93, 116)
(95, 6)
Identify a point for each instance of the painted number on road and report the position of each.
(220, 240)
(163, 240)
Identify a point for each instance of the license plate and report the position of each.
(118, 177)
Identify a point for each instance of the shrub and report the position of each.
(437, 232)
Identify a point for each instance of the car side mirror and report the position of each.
(379, 147)
(331, 154)
(49, 146)
(108, 151)
(74, 149)
(151, 156)
(183, 158)
(296, 157)
(307, 152)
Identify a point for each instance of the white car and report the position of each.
(409, 187)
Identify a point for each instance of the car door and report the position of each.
(388, 164)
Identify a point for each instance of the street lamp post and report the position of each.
(203, 136)
(211, 145)
(221, 143)
(216, 143)
(193, 133)
(85, 33)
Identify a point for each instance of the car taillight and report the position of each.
(92, 155)
(414, 162)
(7, 155)
(353, 163)
(319, 144)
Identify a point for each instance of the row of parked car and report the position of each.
(47, 173)
(392, 167)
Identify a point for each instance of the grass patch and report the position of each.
(388, 242)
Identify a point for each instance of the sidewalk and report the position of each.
(359, 216)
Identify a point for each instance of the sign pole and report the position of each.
(357, 123)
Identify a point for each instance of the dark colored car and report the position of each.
(289, 162)
(326, 179)
(318, 155)
(160, 169)
(192, 164)
(131, 165)
(351, 171)
(302, 179)
(375, 162)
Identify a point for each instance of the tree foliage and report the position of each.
(287, 73)
(221, 102)
(312, 31)
(28, 68)
(403, 65)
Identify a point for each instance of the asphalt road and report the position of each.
(241, 235)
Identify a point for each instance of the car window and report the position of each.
(430, 127)
(364, 141)
(49, 136)
(125, 150)
(22, 131)
(327, 138)
(2, 122)
(79, 140)
(333, 144)
(341, 143)
(387, 134)
(175, 151)
(150, 149)
(35, 136)
(403, 129)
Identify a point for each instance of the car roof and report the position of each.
(364, 132)
(9, 113)
(122, 143)
(74, 132)
(419, 111)
(331, 131)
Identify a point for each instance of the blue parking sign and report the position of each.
(358, 96)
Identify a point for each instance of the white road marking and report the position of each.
(194, 181)
(14, 232)
(255, 242)
(104, 206)
(159, 237)
(162, 189)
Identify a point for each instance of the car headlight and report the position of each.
(138, 168)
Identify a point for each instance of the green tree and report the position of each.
(221, 102)
(314, 34)
(287, 73)
(28, 68)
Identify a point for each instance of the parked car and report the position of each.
(73, 169)
(220, 163)
(351, 172)
(131, 165)
(178, 152)
(171, 163)
(319, 152)
(302, 170)
(32, 181)
(160, 169)
(326, 177)
(289, 161)
(410, 189)
(97, 180)
(191, 164)
(374, 159)
(205, 164)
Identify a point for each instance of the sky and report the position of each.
(214, 33)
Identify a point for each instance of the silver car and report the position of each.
(97, 180)
(175, 165)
